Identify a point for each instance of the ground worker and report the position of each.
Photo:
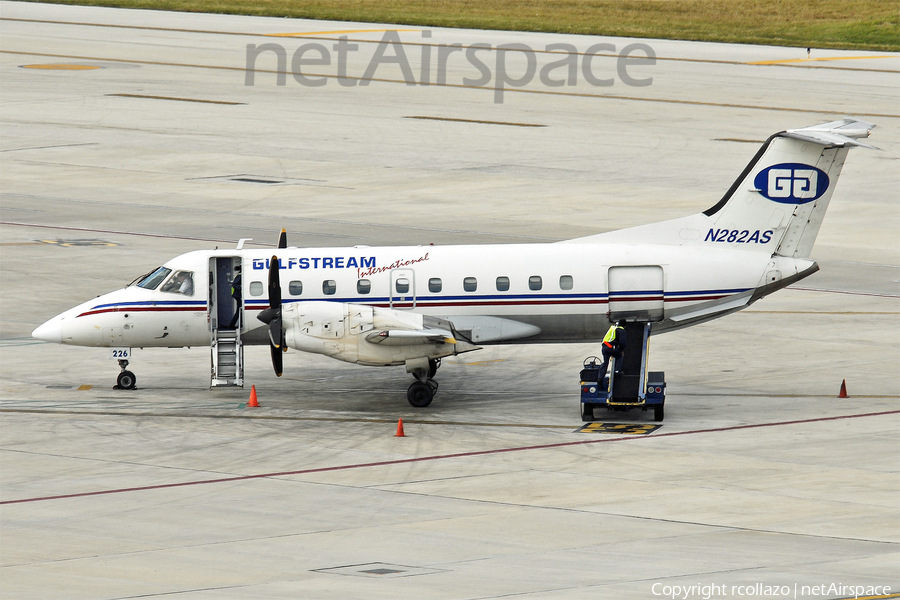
(236, 293)
(613, 345)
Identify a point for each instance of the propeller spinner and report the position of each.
(272, 317)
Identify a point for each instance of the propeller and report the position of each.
(282, 239)
(272, 317)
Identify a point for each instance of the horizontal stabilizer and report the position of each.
(845, 132)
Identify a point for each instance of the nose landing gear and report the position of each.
(126, 379)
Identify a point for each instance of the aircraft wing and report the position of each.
(404, 337)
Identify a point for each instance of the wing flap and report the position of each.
(405, 337)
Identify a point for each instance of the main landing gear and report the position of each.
(126, 379)
(421, 392)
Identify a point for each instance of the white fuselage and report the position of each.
(538, 292)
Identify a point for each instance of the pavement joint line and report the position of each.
(313, 35)
(471, 87)
(480, 122)
(276, 418)
(51, 147)
(823, 312)
(439, 457)
(145, 97)
(114, 232)
(262, 215)
(803, 289)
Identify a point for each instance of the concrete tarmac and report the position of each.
(127, 137)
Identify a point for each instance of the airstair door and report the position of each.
(226, 321)
(636, 293)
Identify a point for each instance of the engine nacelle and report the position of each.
(340, 330)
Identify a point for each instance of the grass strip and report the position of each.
(836, 24)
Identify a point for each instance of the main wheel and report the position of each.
(126, 380)
(587, 412)
(419, 394)
(659, 412)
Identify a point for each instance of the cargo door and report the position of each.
(636, 293)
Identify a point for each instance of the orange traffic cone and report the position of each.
(843, 393)
(252, 401)
(400, 429)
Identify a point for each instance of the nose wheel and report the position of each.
(126, 379)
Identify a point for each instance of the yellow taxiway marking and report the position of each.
(62, 67)
(303, 33)
(463, 86)
(624, 428)
(803, 60)
(84, 388)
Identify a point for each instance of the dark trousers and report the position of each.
(607, 353)
(237, 315)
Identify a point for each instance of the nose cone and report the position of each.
(51, 331)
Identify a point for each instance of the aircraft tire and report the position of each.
(126, 380)
(659, 413)
(419, 394)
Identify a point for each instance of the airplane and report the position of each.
(414, 305)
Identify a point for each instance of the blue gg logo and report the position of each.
(791, 183)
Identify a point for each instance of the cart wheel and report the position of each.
(659, 412)
(587, 412)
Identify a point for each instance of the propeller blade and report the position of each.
(272, 316)
(274, 284)
(277, 360)
(282, 239)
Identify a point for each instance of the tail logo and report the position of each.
(791, 183)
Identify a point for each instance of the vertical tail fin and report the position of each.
(785, 190)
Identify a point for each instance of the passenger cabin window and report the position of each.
(402, 285)
(152, 281)
(535, 283)
(434, 285)
(329, 287)
(470, 284)
(566, 282)
(503, 284)
(363, 286)
(182, 282)
(295, 288)
(256, 288)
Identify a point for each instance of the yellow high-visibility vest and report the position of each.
(610, 336)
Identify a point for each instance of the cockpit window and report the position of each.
(152, 281)
(182, 282)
